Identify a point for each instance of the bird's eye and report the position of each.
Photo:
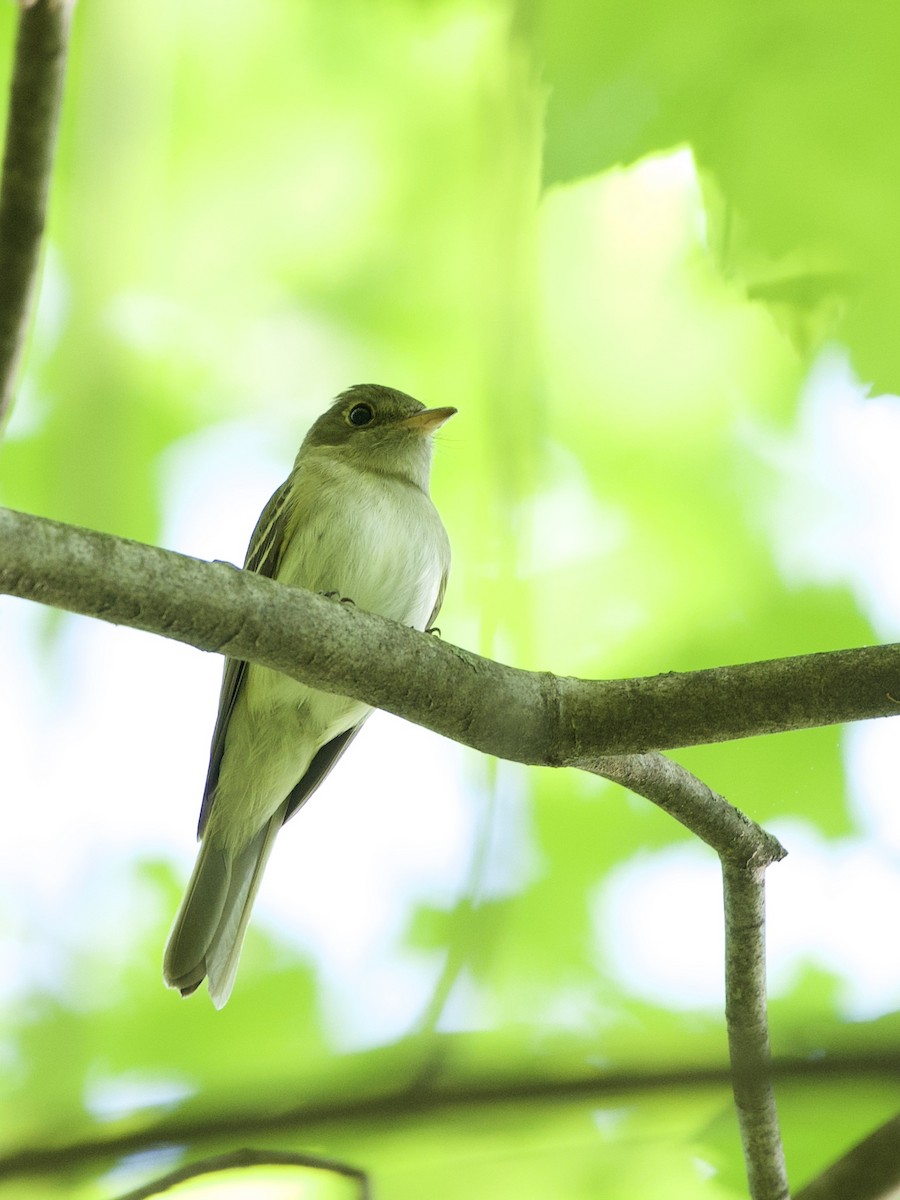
(360, 414)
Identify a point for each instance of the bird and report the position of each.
(354, 520)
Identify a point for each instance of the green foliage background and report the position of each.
(494, 206)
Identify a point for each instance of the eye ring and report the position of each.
(360, 415)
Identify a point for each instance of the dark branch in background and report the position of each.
(447, 1102)
(868, 1171)
(37, 85)
(251, 1158)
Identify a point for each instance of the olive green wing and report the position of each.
(322, 762)
(263, 556)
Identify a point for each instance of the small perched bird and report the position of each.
(353, 520)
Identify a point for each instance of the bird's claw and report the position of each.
(337, 596)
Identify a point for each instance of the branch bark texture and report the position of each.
(35, 97)
(748, 1030)
(530, 717)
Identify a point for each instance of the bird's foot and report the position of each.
(435, 630)
(337, 596)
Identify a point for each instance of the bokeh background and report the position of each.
(653, 258)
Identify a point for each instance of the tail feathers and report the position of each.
(184, 965)
(225, 949)
(209, 929)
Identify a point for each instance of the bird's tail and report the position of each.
(209, 929)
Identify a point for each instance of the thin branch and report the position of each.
(748, 1030)
(35, 97)
(870, 1170)
(525, 716)
(745, 850)
(733, 836)
(250, 1158)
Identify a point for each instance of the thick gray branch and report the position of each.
(37, 85)
(524, 716)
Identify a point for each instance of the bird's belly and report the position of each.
(388, 555)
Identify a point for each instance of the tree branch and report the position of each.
(745, 850)
(529, 717)
(35, 96)
(734, 837)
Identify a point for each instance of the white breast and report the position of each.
(375, 540)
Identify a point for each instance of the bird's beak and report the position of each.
(428, 420)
